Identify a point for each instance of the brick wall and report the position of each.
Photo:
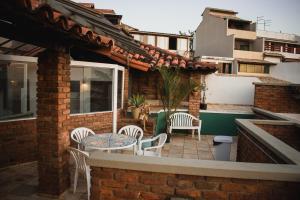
(145, 83)
(126, 85)
(18, 142)
(276, 98)
(286, 133)
(18, 139)
(194, 98)
(115, 184)
(251, 150)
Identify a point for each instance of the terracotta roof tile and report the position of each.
(48, 15)
(159, 57)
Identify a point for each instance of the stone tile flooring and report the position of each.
(20, 182)
(184, 146)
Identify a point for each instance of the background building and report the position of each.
(237, 47)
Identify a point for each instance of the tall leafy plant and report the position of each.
(173, 90)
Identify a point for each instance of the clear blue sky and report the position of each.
(172, 16)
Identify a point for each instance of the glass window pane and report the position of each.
(91, 89)
(17, 90)
(120, 87)
(100, 94)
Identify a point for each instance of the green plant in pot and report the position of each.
(136, 102)
(173, 90)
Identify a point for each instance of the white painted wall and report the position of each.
(230, 89)
(289, 71)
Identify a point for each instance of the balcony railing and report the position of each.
(276, 48)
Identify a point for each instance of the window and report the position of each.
(17, 90)
(253, 68)
(172, 43)
(182, 44)
(120, 89)
(91, 89)
(162, 42)
(242, 45)
(151, 40)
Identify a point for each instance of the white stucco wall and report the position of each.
(228, 89)
(287, 71)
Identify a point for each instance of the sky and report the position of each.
(172, 16)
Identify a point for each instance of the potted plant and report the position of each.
(196, 90)
(136, 102)
(173, 90)
(203, 104)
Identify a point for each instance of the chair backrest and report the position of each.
(79, 133)
(79, 158)
(133, 131)
(182, 119)
(162, 138)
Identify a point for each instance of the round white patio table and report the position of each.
(109, 141)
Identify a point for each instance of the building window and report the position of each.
(242, 45)
(162, 42)
(91, 89)
(120, 89)
(17, 90)
(253, 68)
(182, 44)
(172, 43)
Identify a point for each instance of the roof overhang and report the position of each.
(216, 59)
(254, 61)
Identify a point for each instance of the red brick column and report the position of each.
(53, 109)
(194, 98)
(126, 83)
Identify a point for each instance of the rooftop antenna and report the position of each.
(259, 20)
(267, 23)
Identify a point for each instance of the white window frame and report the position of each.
(74, 63)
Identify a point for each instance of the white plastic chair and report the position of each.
(81, 167)
(184, 121)
(133, 131)
(79, 134)
(153, 150)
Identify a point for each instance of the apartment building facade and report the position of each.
(280, 47)
(237, 47)
(175, 43)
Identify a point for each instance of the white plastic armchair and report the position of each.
(133, 131)
(79, 134)
(153, 150)
(81, 167)
(184, 121)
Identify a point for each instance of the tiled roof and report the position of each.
(106, 45)
(161, 57)
(49, 16)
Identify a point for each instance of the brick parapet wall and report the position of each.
(287, 133)
(116, 184)
(18, 142)
(249, 149)
(276, 98)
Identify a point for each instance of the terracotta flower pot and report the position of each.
(135, 112)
